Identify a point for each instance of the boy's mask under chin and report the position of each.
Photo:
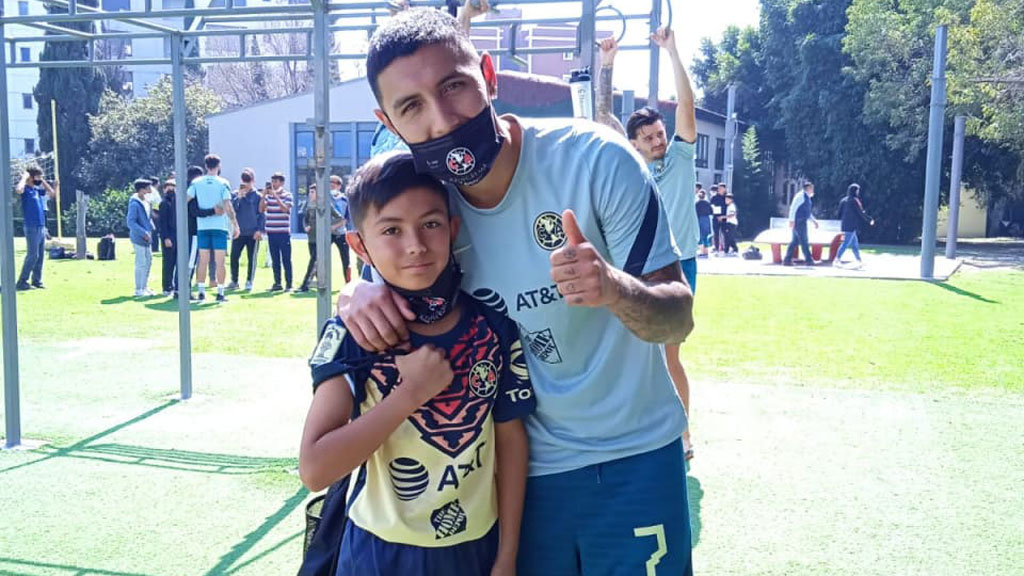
(431, 304)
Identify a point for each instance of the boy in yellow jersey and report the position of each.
(432, 432)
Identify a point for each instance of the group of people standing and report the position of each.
(216, 213)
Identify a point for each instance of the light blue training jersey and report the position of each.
(208, 192)
(676, 176)
(602, 393)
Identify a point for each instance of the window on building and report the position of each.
(30, 145)
(304, 144)
(364, 139)
(26, 101)
(718, 177)
(719, 154)
(23, 8)
(702, 150)
(568, 56)
(26, 54)
(341, 142)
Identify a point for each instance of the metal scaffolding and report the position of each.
(186, 49)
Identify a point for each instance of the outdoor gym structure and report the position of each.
(186, 48)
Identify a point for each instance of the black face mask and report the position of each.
(464, 156)
(38, 182)
(434, 302)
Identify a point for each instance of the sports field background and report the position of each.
(841, 427)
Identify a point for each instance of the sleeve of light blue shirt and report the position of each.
(797, 202)
(630, 211)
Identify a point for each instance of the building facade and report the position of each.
(21, 82)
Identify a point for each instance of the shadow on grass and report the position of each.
(82, 444)
(227, 464)
(260, 295)
(253, 538)
(962, 292)
(60, 568)
(694, 493)
(123, 299)
(171, 305)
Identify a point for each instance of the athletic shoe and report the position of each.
(201, 297)
(38, 285)
(248, 286)
(275, 288)
(148, 292)
(168, 293)
(22, 286)
(232, 286)
(288, 288)
(303, 288)
(222, 298)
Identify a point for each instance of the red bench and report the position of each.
(779, 234)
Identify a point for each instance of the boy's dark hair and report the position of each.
(642, 117)
(700, 186)
(407, 32)
(384, 178)
(714, 187)
(808, 184)
(248, 176)
(34, 171)
(142, 183)
(212, 161)
(193, 173)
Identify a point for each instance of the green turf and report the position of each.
(843, 426)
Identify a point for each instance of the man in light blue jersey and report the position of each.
(672, 164)
(209, 192)
(564, 231)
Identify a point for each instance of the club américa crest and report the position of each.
(460, 161)
(483, 379)
(548, 232)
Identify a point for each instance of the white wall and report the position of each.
(259, 136)
(22, 121)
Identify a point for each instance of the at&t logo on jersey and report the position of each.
(409, 478)
(548, 232)
(460, 161)
(483, 379)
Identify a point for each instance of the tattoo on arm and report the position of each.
(604, 99)
(658, 307)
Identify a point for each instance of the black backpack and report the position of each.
(105, 250)
(326, 516)
(752, 253)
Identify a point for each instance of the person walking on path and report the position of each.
(800, 211)
(851, 213)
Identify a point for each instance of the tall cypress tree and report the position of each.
(77, 92)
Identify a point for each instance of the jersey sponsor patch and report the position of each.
(542, 345)
(548, 232)
(409, 478)
(328, 345)
(448, 520)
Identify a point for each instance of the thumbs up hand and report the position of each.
(582, 275)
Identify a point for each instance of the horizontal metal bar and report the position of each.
(86, 63)
(91, 10)
(141, 35)
(182, 12)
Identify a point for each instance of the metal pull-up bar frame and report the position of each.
(153, 23)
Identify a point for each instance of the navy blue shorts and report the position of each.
(627, 517)
(212, 240)
(363, 554)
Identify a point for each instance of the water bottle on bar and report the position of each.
(582, 92)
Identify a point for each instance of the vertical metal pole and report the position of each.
(628, 105)
(730, 134)
(56, 166)
(181, 218)
(588, 33)
(953, 228)
(321, 120)
(652, 96)
(12, 397)
(934, 163)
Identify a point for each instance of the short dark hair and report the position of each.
(34, 171)
(384, 178)
(154, 180)
(808, 184)
(405, 33)
(212, 161)
(193, 173)
(248, 176)
(714, 187)
(277, 176)
(142, 183)
(854, 189)
(642, 117)
(700, 186)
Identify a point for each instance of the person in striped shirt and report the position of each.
(277, 205)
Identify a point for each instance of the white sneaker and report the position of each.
(148, 292)
(140, 293)
(248, 286)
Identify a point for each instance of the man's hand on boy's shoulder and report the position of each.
(375, 315)
(425, 372)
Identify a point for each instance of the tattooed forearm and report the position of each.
(657, 307)
(604, 113)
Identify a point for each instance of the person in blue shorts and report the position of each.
(432, 432)
(564, 231)
(212, 191)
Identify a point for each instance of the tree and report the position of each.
(133, 138)
(751, 189)
(77, 92)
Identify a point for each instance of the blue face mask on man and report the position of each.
(464, 156)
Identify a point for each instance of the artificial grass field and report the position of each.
(841, 426)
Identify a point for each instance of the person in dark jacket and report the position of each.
(718, 192)
(800, 212)
(169, 232)
(851, 212)
(703, 208)
(246, 202)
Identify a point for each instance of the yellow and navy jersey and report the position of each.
(431, 483)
